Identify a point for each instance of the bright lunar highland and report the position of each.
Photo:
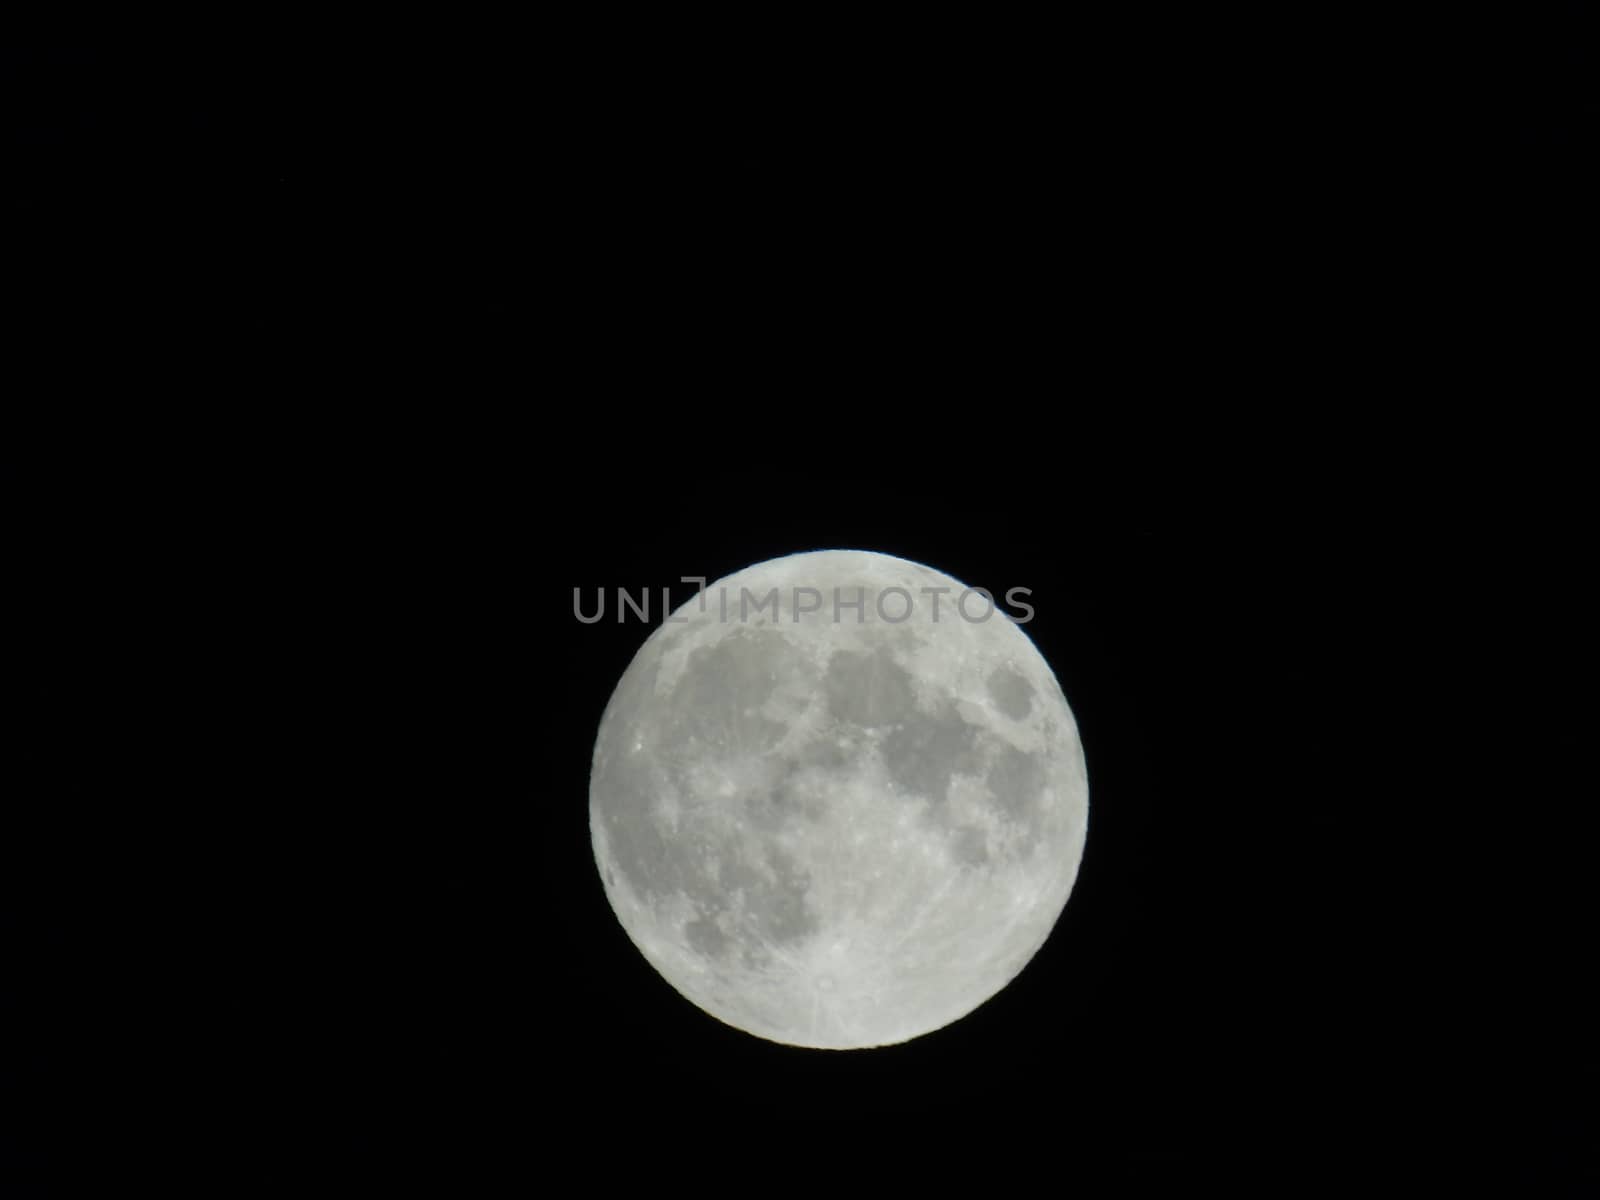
(838, 828)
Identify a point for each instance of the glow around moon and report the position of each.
(838, 833)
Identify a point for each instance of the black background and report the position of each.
(371, 354)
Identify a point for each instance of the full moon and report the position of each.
(838, 800)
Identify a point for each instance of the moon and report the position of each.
(843, 815)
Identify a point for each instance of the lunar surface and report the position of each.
(838, 827)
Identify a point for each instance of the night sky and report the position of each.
(359, 358)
